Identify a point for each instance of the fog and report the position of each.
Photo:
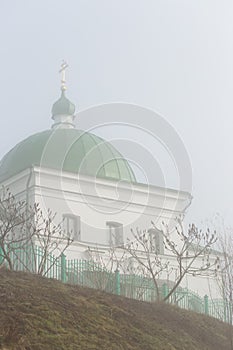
(172, 57)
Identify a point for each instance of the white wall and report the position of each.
(97, 202)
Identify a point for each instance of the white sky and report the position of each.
(172, 56)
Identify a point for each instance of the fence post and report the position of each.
(63, 268)
(117, 282)
(206, 304)
(1, 256)
(164, 290)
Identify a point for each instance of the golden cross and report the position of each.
(62, 70)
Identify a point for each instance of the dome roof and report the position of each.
(63, 106)
(68, 150)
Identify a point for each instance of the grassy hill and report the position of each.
(38, 313)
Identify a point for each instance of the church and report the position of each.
(89, 184)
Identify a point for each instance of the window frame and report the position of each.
(156, 240)
(115, 233)
(76, 235)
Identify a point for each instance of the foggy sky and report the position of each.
(171, 56)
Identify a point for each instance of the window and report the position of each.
(115, 233)
(156, 241)
(72, 225)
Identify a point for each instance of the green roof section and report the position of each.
(68, 150)
(63, 106)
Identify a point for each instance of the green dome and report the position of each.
(68, 150)
(63, 106)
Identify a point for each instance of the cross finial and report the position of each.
(62, 70)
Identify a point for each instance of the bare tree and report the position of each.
(104, 264)
(15, 217)
(29, 237)
(193, 251)
(49, 241)
(146, 260)
(136, 263)
(189, 253)
(225, 251)
(225, 271)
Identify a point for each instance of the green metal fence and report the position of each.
(89, 274)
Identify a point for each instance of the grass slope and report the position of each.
(38, 313)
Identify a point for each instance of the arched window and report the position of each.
(115, 233)
(72, 225)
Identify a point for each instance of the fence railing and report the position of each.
(86, 273)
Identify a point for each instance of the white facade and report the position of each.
(99, 201)
(94, 203)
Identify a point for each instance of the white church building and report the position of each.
(90, 185)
